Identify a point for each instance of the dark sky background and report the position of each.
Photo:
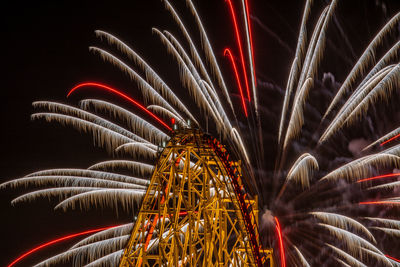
(46, 54)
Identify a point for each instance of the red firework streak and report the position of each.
(228, 53)
(57, 241)
(379, 177)
(124, 96)
(282, 250)
(379, 202)
(240, 47)
(390, 140)
(390, 257)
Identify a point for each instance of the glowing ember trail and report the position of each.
(390, 140)
(227, 170)
(227, 52)
(240, 47)
(379, 177)
(392, 258)
(115, 91)
(282, 251)
(251, 39)
(57, 241)
(379, 202)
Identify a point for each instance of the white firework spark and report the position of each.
(327, 214)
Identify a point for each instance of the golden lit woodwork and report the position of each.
(196, 211)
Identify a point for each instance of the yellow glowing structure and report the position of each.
(195, 211)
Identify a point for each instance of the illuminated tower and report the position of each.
(196, 211)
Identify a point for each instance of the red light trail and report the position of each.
(379, 177)
(379, 202)
(392, 258)
(240, 47)
(115, 91)
(227, 52)
(282, 251)
(390, 140)
(56, 241)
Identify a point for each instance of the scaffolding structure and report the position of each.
(196, 211)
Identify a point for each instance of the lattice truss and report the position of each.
(191, 214)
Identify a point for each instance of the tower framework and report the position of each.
(196, 211)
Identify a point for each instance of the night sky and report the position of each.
(46, 54)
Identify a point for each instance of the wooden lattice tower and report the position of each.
(195, 211)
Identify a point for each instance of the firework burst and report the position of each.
(322, 204)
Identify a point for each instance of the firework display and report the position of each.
(316, 205)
